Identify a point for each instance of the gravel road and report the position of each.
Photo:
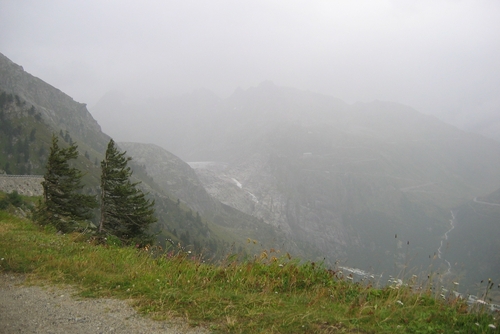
(34, 309)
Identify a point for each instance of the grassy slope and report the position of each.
(269, 293)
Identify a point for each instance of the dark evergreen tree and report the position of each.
(7, 168)
(64, 205)
(32, 134)
(125, 210)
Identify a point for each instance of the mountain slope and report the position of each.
(58, 109)
(474, 253)
(179, 179)
(34, 104)
(371, 184)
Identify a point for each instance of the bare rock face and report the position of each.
(249, 188)
(254, 188)
(58, 109)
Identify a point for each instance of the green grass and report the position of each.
(269, 293)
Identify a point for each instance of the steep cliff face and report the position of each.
(58, 109)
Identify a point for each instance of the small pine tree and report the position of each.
(64, 205)
(125, 211)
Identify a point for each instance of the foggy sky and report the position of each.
(437, 56)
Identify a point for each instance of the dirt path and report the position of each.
(34, 309)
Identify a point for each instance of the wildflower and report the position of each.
(477, 324)
(280, 265)
(157, 280)
(2, 259)
(442, 296)
(492, 326)
(399, 302)
(456, 283)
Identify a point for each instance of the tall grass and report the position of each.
(269, 293)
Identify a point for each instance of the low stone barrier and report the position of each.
(28, 185)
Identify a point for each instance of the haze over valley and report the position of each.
(362, 134)
(340, 180)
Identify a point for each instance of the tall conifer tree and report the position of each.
(64, 205)
(125, 211)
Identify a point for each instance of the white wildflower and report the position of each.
(492, 326)
(399, 302)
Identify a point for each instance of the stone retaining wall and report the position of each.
(28, 185)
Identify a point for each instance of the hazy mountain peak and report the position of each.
(267, 84)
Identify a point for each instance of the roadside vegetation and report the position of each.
(267, 293)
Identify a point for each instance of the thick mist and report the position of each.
(439, 57)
